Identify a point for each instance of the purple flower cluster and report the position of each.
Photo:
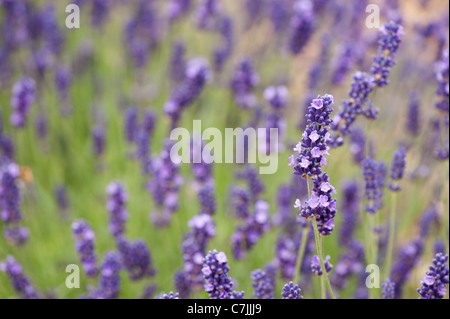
(388, 290)
(194, 249)
(176, 9)
(215, 272)
(255, 185)
(207, 200)
(171, 295)
(9, 193)
(442, 104)
(16, 236)
(135, 258)
(263, 284)
(291, 291)
(178, 63)
(321, 205)
(302, 26)
(388, 44)
(315, 265)
(413, 116)
(277, 97)
(397, 169)
(19, 281)
(109, 284)
(408, 258)
(165, 186)
(434, 285)
(98, 140)
(23, 96)
(244, 81)
(247, 235)
(197, 74)
(207, 14)
(84, 244)
(118, 215)
(375, 179)
(350, 263)
(350, 203)
(222, 54)
(240, 201)
(313, 147)
(142, 33)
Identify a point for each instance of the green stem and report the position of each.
(390, 248)
(322, 265)
(302, 248)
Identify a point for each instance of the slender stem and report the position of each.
(301, 254)
(320, 254)
(302, 249)
(392, 226)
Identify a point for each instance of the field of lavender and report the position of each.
(93, 204)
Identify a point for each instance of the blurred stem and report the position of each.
(392, 225)
(322, 265)
(301, 252)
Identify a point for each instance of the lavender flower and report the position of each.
(207, 13)
(240, 201)
(374, 176)
(279, 15)
(197, 75)
(143, 141)
(263, 284)
(246, 236)
(16, 236)
(222, 54)
(397, 169)
(254, 10)
(9, 193)
(63, 80)
(315, 265)
(442, 76)
(388, 291)
(98, 141)
(244, 80)
(350, 203)
(165, 186)
(302, 26)
(207, 200)
(19, 281)
(176, 9)
(118, 215)
(131, 123)
(291, 291)
(171, 295)
(408, 258)
(178, 63)
(193, 249)
(23, 96)
(439, 247)
(84, 244)
(61, 197)
(413, 116)
(255, 185)
(109, 284)
(311, 151)
(357, 144)
(349, 263)
(215, 271)
(388, 44)
(135, 258)
(343, 64)
(434, 285)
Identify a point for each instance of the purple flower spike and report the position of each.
(397, 169)
(20, 283)
(244, 81)
(315, 265)
(291, 291)
(118, 215)
(23, 95)
(263, 284)
(109, 284)
(302, 26)
(136, 259)
(9, 193)
(16, 236)
(215, 272)
(388, 291)
(434, 286)
(84, 244)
